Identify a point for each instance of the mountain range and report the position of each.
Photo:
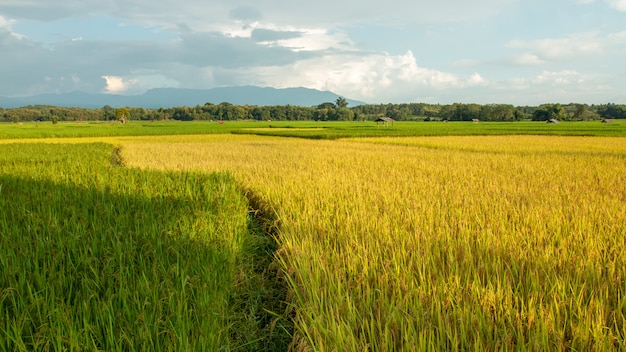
(171, 97)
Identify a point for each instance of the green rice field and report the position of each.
(307, 236)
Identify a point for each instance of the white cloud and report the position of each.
(476, 80)
(199, 15)
(323, 44)
(618, 4)
(617, 38)
(527, 59)
(116, 84)
(573, 46)
(315, 40)
(7, 25)
(4, 22)
(292, 37)
(374, 77)
(564, 77)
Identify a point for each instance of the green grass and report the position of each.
(309, 129)
(94, 256)
(335, 130)
(106, 129)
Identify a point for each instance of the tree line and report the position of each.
(327, 111)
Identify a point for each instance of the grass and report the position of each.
(101, 257)
(308, 129)
(337, 130)
(111, 129)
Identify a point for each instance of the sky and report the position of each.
(520, 52)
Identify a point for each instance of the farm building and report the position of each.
(385, 121)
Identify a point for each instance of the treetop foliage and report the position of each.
(326, 111)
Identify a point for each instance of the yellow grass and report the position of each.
(436, 242)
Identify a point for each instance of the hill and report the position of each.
(170, 97)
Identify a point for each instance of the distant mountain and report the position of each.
(170, 97)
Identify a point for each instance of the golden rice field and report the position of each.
(434, 243)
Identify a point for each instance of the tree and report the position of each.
(341, 102)
(321, 114)
(497, 112)
(261, 113)
(344, 114)
(122, 114)
(326, 105)
(612, 111)
(108, 113)
(579, 113)
(548, 112)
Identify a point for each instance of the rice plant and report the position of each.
(436, 243)
(95, 256)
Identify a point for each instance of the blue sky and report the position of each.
(521, 52)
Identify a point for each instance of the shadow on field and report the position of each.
(122, 259)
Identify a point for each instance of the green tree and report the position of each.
(321, 114)
(497, 112)
(341, 102)
(547, 112)
(122, 114)
(108, 113)
(344, 114)
(326, 105)
(612, 111)
(579, 112)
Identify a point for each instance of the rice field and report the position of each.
(513, 242)
(98, 257)
(436, 243)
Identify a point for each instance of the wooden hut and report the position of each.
(385, 121)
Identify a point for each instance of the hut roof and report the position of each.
(384, 119)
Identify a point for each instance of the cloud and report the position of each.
(246, 13)
(4, 23)
(47, 11)
(271, 35)
(215, 49)
(619, 5)
(369, 77)
(573, 46)
(201, 15)
(314, 40)
(115, 84)
(525, 59)
(588, 49)
(560, 78)
(6, 26)
(325, 44)
(563, 86)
